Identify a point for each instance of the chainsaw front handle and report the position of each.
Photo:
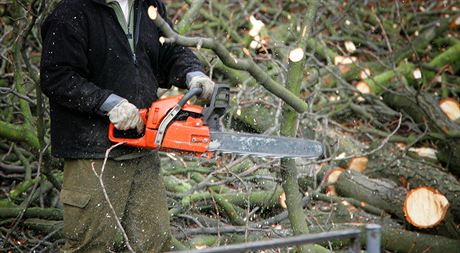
(130, 141)
(190, 94)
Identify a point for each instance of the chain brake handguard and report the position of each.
(217, 107)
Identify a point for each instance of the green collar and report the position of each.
(128, 27)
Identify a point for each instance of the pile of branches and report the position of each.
(378, 83)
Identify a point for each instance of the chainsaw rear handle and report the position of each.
(130, 141)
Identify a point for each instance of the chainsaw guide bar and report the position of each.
(264, 145)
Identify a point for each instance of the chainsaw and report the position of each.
(174, 125)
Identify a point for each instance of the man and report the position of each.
(101, 61)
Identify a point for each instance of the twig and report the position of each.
(384, 33)
(101, 182)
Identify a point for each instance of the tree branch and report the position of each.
(228, 59)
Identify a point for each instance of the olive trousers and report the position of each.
(137, 194)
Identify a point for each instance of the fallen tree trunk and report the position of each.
(385, 195)
(416, 173)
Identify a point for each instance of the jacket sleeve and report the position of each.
(175, 60)
(64, 66)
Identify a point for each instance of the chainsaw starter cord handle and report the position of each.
(191, 93)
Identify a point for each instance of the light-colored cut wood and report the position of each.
(425, 207)
(358, 163)
(152, 12)
(296, 55)
(363, 87)
(451, 108)
(282, 200)
(331, 179)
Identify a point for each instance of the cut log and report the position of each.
(331, 179)
(425, 207)
(385, 195)
(416, 173)
(358, 163)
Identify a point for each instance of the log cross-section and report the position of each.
(425, 207)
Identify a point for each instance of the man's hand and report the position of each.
(200, 80)
(126, 116)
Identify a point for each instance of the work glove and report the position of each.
(200, 80)
(126, 116)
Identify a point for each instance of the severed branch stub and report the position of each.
(296, 55)
(228, 59)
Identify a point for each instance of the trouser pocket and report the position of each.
(76, 220)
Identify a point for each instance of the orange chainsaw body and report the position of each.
(188, 136)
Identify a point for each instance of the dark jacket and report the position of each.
(86, 57)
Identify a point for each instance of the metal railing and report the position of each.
(354, 235)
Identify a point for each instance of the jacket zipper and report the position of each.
(136, 29)
(134, 38)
